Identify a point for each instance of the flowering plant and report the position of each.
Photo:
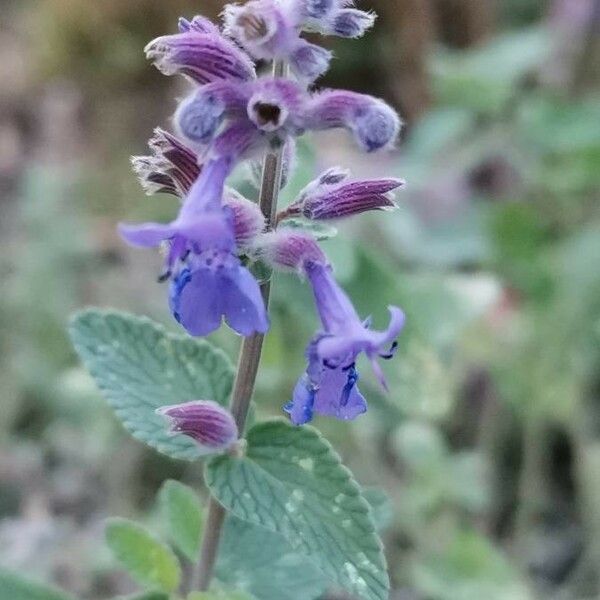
(279, 483)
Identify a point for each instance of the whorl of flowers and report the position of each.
(232, 116)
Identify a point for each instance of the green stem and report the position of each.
(248, 362)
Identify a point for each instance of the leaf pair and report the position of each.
(289, 491)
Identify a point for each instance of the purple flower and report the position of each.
(173, 168)
(208, 281)
(351, 23)
(331, 197)
(329, 386)
(206, 422)
(201, 53)
(375, 125)
(240, 120)
(270, 30)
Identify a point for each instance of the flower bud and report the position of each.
(291, 249)
(172, 167)
(199, 24)
(317, 9)
(259, 26)
(352, 23)
(377, 127)
(199, 117)
(309, 61)
(206, 422)
(321, 200)
(203, 57)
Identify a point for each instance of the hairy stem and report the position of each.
(247, 370)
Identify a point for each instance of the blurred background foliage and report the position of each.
(488, 444)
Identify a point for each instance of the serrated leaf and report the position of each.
(181, 511)
(139, 367)
(321, 231)
(263, 564)
(14, 587)
(147, 559)
(381, 506)
(292, 482)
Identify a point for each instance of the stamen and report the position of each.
(350, 383)
(391, 352)
(164, 276)
(267, 113)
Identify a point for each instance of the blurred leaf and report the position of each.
(264, 564)
(219, 595)
(467, 481)
(484, 78)
(382, 509)
(14, 587)
(140, 367)
(181, 511)
(292, 482)
(468, 568)
(148, 560)
(420, 445)
(146, 596)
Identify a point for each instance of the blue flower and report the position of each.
(208, 281)
(329, 385)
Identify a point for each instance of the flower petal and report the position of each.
(338, 395)
(196, 301)
(243, 304)
(146, 235)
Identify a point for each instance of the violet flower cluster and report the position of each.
(230, 116)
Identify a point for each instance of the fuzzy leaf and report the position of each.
(147, 559)
(264, 564)
(139, 367)
(292, 482)
(14, 587)
(181, 510)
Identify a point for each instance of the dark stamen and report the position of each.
(390, 353)
(164, 276)
(267, 113)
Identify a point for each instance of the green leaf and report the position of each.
(14, 587)
(146, 596)
(181, 510)
(139, 367)
(381, 507)
(292, 482)
(219, 595)
(263, 564)
(147, 559)
(321, 231)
